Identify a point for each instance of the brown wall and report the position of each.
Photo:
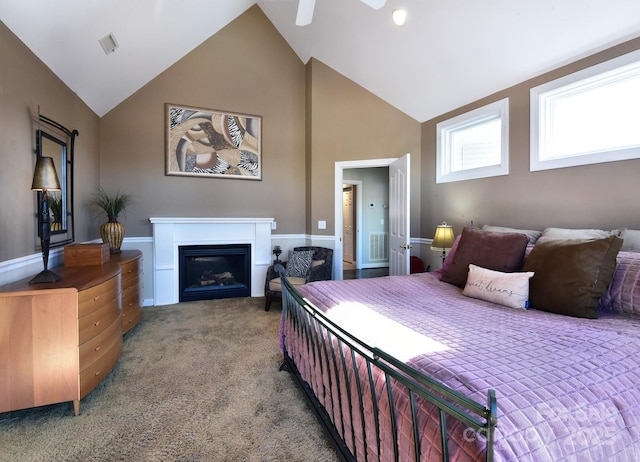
(603, 196)
(248, 68)
(25, 84)
(349, 123)
(312, 117)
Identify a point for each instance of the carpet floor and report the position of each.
(197, 381)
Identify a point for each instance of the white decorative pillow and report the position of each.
(299, 263)
(508, 289)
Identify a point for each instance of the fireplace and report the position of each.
(214, 271)
(170, 233)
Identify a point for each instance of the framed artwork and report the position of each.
(215, 144)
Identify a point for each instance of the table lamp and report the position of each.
(45, 179)
(277, 251)
(443, 239)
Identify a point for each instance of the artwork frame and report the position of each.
(212, 143)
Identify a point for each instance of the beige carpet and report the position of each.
(197, 381)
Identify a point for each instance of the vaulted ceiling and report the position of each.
(449, 53)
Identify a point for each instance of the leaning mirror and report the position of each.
(56, 141)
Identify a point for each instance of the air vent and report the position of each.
(108, 43)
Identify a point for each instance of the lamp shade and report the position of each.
(45, 176)
(443, 238)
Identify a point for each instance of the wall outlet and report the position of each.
(322, 224)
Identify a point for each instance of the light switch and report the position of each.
(322, 224)
(274, 225)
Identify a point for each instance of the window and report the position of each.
(474, 144)
(587, 117)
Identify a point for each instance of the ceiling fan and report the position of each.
(305, 9)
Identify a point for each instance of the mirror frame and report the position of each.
(54, 132)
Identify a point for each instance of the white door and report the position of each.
(347, 223)
(399, 256)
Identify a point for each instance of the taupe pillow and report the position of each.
(496, 251)
(531, 234)
(578, 233)
(571, 275)
(631, 238)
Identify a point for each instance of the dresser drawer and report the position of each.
(131, 296)
(91, 350)
(98, 320)
(130, 318)
(132, 285)
(130, 271)
(94, 373)
(97, 296)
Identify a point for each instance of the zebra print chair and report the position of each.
(321, 269)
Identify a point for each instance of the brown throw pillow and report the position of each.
(571, 275)
(492, 250)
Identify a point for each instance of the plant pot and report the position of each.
(112, 233)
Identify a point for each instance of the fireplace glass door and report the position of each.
(214, 271)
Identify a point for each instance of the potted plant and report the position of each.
(55, 205)
(113, 204)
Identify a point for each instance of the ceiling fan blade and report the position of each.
(375, 4)
(305, 12)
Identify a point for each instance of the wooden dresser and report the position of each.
(131, 277)
(58, 341)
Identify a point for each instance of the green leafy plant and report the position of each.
(113, 204)
(55, 204)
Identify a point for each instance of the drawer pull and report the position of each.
(98, 372)
(97, 348)
(97, 323)
(96, 298)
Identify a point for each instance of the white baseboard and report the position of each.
(384, 264)
(30, 265)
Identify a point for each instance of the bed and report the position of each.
(413, 368)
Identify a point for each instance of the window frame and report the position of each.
(541, 100)
(445, 130)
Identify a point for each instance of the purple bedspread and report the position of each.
(568, 389)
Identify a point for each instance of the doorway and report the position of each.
(398, 212)
(351, 223)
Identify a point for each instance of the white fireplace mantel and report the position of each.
(169, 233)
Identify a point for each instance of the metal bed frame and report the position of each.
(321, 336)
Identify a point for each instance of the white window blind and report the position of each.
(474, 144)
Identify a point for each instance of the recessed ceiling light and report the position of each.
(399, 17)
(108, 43)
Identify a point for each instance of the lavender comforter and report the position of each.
(568, 389)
